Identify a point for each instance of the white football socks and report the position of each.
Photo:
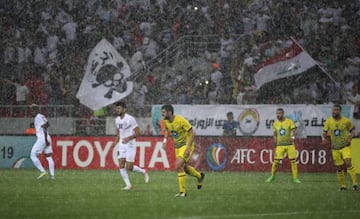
(51, 166)
(125, 177)
(37, 163)
(137, 169)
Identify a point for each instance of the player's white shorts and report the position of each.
(40, 146)
(127, 151)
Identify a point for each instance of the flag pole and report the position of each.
(317, 64)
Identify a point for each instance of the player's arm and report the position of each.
(136, 132)
(293, 133)
(8, 81)
(191, 137)
(166, 135)
(45, 126)
(351, 135)
(324, 135)
(190, 142)
(275, 138)
(116, 138)
(274, 134)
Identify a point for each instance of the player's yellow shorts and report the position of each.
(281, 150)
(179, 152)
(341, 154)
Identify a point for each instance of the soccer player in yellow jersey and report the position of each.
(284, 135)
(341, 131)
(184, 136)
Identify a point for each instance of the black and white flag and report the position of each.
(106, 77)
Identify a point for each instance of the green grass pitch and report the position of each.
(98, 194)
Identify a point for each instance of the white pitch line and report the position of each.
(271, 214)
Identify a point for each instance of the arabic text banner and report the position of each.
(254, 120)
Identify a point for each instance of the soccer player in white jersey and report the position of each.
(127, 130)
(42, 144)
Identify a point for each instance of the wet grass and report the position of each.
(98, 194)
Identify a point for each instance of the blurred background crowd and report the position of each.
(180, 52)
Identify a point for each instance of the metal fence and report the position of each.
(25, 110)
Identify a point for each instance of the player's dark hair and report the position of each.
(121, 103)
(168, 108)
(280, 109)
(229, 113)
(337, 106)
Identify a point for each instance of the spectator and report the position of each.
(21, 94)
(227, 48)
(98, 121)
(146, 28)
(71, 87)
(118, 43)
(248, 23)
(137, 62)
(52, 41)
(149, 48)
(240, 98)
(8, 96)
(137, 36)
(38, 38)
(262, 22)
(216, 76)
(9, 53)
(56, 91)
(167, 38)
(230, 125)
(37, 88)
(148, 131)
(40, 52)
(354, 98)
(21, 90)
(213, 94)
(70, 33)
(140, 97)
(62, 16)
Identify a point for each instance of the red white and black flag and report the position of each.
(106, 78)
(290, 61)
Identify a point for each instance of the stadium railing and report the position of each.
(25, 110)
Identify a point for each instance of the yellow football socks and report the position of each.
(193, 172)
(352, 172)
(341, 177)
(294, 169)
(274, 167)
(182, 181)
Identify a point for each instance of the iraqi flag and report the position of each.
(291, 61)
(106, 78)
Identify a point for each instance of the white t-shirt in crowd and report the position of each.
(70, 31)
(21, 92)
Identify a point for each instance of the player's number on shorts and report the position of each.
(7, 152)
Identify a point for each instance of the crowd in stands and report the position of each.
(44, 47)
